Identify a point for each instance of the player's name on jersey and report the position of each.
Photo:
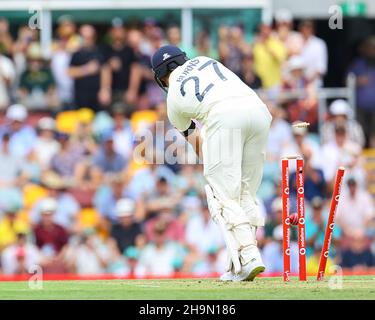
(189, 67)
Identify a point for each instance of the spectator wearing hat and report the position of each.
(37, 86)
(121, 73)
(127, 232)
(10, 225)
(168, 254)
(106, 160)
(22, 136)
(364, 69)
(7, 77)
(302, 144)
(355, 211)
(85, 68)
(272, 253)
(284, 32)
(341, 115)
(299, 108)
(46, 145)
(20, 256)
(50, 237)
(314, 53)
(90, 254)
(341, 152)
(67, 206)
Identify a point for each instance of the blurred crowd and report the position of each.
(74, 198)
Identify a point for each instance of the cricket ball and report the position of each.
(293, 218)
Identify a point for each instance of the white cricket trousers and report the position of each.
(234, 139)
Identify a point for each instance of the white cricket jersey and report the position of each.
(199, 85)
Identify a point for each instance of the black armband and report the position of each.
(189, 130)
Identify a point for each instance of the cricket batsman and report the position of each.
(232, 142)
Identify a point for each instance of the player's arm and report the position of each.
(185, 125)
(193, 137)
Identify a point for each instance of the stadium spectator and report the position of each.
(358, 256)
(67, 207)
(90, 255)
(45, 145)
(37, 87)
(302, 144)
(64, 163)
(168, 254)
(7, 77)
(22, 136)
(20, 256)
(162, 198)
(314, 53)
(233, 48)
(299, 108)
(25, 37)
(363, 68)
(126, 230)
(202, 234)
(247, 73)
(121, 74)
(355, 211)
(174, 227)
(6, 39)
(10, 165)
(107, 160)
(280, 133)
(203, 46)
(315, 184)
(85, 70)
(49, 236)
(269, 56)
(11, 224)
(340, 152)
(173, 34)
(341, 115)
(66, 43)
(284, 32)
(211, 263)
(106, 197)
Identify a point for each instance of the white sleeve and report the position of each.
(322, 59)
(177, 119)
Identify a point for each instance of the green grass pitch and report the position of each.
(353, 287)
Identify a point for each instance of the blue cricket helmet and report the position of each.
(165, 60)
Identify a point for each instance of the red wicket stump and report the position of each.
(300, 181)
(330, 223)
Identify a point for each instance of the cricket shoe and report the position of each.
(250, 271)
